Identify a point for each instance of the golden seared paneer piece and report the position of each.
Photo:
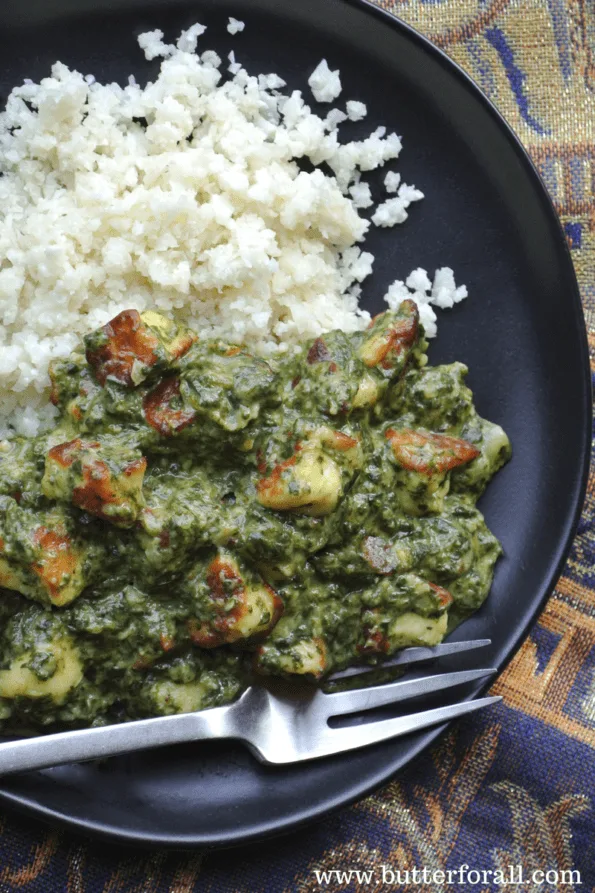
(405, 612)
(304, 657)
(345, 449)
(39, 555)
(104, 478)
(131, 345)
(166, 410)
(175, 340)
(231, 603)
(166, 697)
(41, 659)
(390, 340)
(310, 481)
(412, 629)
(424, 461)
(367, 394)
(495, 450)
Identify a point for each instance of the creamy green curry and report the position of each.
(200, 517)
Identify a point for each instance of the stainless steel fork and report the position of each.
(278, 727)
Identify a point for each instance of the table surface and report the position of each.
(515, 786)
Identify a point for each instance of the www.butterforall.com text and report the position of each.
(464, 876)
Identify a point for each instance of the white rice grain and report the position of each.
(392, 181)
(235, 26)
(324, 83)
(394, 210)
(356, 111)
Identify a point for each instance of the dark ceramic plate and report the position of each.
(522, 334)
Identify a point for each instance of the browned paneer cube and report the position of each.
(130, 345)
(424, 461)
(164, 408)
(57, 565)
(407, 611)
(391, 338)
(175, 340)
(39, 557)
(234, 604)
(310, 481)
(104, 479)
(407, 630)
(428, 453)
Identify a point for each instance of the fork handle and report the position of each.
(107, 741)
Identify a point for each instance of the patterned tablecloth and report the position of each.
(514, 787)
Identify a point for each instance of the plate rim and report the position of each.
(269, 830)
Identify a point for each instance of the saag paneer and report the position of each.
(200, 516)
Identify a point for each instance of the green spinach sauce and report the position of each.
(200, 517)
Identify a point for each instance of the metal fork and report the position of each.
(278, 727)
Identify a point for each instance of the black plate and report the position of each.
(521, 332)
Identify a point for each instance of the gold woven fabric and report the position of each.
(514, 786)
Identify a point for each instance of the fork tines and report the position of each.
(410, 656)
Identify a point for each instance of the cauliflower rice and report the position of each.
(184, 196)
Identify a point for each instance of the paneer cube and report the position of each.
(234, 605)
(412, 629)
(308, 482)
(390, 339)
(424, 460)
(306, 657)
(428, 453)
(128, 347)
(39, 557)
(175, 340)
(165, 410)
(367, 394)
(104, 479)
(18, 680)
(406, 606)
(344, 448)
(311, 482)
